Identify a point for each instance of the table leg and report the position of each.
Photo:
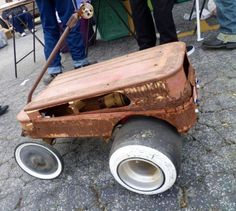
(34, 33)
(14, 47)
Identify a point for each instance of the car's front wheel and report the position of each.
(145, 156)
(40, 161)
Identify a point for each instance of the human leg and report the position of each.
(162, 10)
(51, 32)
(74, 39)
(17, 24)
(143, 23)
(28, 19)
(226, 15)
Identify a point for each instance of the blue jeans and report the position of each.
(226, 14)
(24, 17)
(65, 9)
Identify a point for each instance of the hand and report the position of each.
(10, 16)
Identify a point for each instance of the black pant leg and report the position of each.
(164, 20)
(143, 23)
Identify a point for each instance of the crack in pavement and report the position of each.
(98, 198)
(217, 132)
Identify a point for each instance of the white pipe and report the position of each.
(199, 38)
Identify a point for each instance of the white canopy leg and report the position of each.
(199, 38)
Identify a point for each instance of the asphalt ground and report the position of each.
(207, 180)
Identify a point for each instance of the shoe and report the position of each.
(49, 78)
(3, 109)
(190, 49)
(23, 34)
(215, 43)
(85, 65)
(33, 30)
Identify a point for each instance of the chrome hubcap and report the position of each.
(141, 174)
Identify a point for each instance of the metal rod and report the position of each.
(191, 13)
(14, 47)
(34, 32)
(26, 26)
(49, 61)
(199, 38)
(203, 5)
(70, 24)
(87, 37)
(34, 37)
(24, 57)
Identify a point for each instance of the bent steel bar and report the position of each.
(84, 12)
(48, 62)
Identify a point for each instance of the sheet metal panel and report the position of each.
(152, 64)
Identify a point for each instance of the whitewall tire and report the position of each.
(145, 156)
(40, 161)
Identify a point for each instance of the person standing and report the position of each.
(51, 30)
(145, 29)
(17, 15)
(226, 15)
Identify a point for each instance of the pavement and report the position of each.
(207, 180)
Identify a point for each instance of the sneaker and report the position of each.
(49, 78)
(215, 43)
(85, 65)
(3, 109)
(33, 30)
(23, 34)
(190, 49)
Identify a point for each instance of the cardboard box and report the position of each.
(7, 33)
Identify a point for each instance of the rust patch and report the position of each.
(153, 92)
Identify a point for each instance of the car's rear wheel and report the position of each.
(145, 156)
(40, 161)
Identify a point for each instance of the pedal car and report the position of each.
(142, 101)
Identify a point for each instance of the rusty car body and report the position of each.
(147, 96)
(91, 101)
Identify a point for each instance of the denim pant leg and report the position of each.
(51, 32)
(226, 14)
(74, 40)
(17, 24)
(27, 18)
